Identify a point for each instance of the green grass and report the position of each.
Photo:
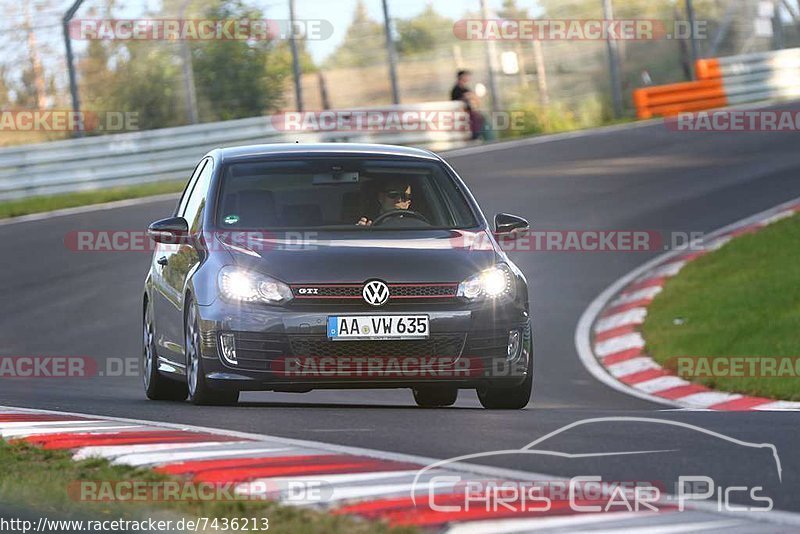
(25, 206)
(32, 477)
(742, 300)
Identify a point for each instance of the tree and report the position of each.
(148, 83)
(5, 97)
(363, 44)
(234, 78)
(426, 32)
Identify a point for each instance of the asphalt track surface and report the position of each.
(54, 301)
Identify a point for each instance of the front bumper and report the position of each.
(283, 349)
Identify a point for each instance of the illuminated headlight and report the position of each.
(495, 282)
(248, 286)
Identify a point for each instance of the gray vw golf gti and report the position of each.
(291, 267)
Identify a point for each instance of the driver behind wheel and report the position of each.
(392, 196)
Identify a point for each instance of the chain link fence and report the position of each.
(561, 84)
(568, 77)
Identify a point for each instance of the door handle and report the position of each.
(162, 260)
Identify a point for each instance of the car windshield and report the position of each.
(341, 193)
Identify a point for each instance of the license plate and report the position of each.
(377, 327)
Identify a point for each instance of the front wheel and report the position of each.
(435, 397)
(199, 391)
(156, 386)
(515, 398)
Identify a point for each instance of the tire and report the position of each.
(156, 386)
(435, 396)
(200, 393)
(515, 398)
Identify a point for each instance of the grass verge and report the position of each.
(740, 301)
(26, 206)
(36, 478)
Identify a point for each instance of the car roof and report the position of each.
(319, 149)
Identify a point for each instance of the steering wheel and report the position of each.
(380, 219)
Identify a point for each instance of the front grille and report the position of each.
(332, 291)
(351, 293)
(405, 291)
(440, 345)
(259, 352)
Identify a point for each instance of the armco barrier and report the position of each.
(170, 153)
(725, 81)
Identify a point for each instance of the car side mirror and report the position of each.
(510, 225)
(171, 231)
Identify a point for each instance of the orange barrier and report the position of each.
(708, 69)
(725, 81)
(669, 100)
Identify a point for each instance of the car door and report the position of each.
(174, 264)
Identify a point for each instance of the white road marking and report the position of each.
(112, 451)
(79, 210)
(630, 317)
(22, 432)
(634, 296)
(779, 406)
(37, 424)
(672, 529)
(705, 399)
(510, 526)
(619, 344)
(660, 384)
(356, 493)
(264, 486)
(667, 270)
(153, 458)
(777, 217)
(632, 366)
(717, 244)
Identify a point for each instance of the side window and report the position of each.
(189, 187)
(197, 199)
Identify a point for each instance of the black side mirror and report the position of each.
(171, 231)
(505, 223)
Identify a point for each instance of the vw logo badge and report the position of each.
(375, 293)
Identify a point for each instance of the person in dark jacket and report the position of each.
(462, 91)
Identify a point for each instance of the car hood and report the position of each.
(352, 257)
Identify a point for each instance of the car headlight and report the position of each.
(249, 286)
(493, 283)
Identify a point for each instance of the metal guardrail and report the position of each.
(726, 81)
(170, 153)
